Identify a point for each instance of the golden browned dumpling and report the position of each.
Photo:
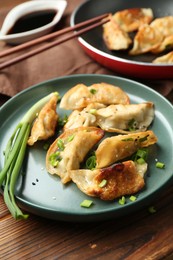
(80, 118)
(84, 117)
(131, 19)
(113, 118)
(125, 118)
(110, 183)
(116, 148)
(146, 39)
(167, 58)
(114, 37)
(80, 96)
(69, 149)
(45, 124)
(155, 37)
(165, 45)
(164, 25)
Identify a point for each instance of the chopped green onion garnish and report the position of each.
(60, 144)
(93, 91)
(86, 203)
(128, 139)
(103, 183)
(70, 138)
(122, 201)
(55, 158)
(62, 121)
(140, 161)
(143, 139)
(93, 111)
(152, 210)
(141, 155)
(160, 165)
(132, 125)
(91, 162)
(132, 198)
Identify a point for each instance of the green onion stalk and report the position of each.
(14, 155)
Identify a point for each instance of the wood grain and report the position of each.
(141, 235)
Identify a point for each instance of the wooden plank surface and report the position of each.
(139, 236)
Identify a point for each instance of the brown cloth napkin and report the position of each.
(65, 59)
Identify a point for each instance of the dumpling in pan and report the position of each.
(116, 148)
(146, 39)
(69, 149)
(167, 58)
(166, 45)
(119, 179)
(164, 25)
(125, 118)
(114, 37)
(80, 96)
(45, 124)
(131, 19)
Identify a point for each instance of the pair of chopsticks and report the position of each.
(90, 24)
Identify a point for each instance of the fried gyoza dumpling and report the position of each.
(153, 37)
(125, 118)
(80, 118)
(146, 39)
(165, 45)
(114, 37)
(113, 118)
(164, 25)
(167, 58)
(45, 124)
(131, 19)
(80, 96)
(84, 117)
(116, 148)
(119, 179)
(69, 149)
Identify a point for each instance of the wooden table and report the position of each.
(139, 236)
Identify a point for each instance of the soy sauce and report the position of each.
(33, 21)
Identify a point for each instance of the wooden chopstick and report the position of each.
(104, 18)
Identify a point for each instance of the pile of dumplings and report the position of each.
(96, 110)
(151, 35)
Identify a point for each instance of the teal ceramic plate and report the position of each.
(42, 194)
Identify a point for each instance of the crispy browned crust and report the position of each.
(131, 19)
(114, 37)
(74, 151)
(167, 58)
(121, 179)
(46, 122)
(122, 146)
(80, 96)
